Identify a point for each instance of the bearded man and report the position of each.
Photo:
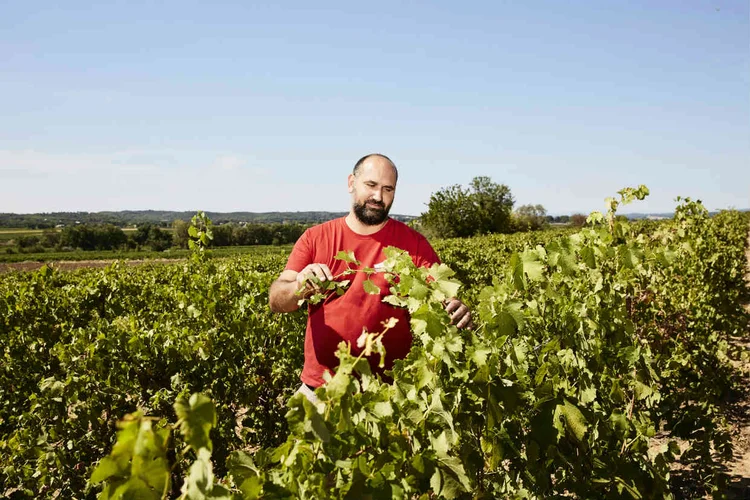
(367, 231)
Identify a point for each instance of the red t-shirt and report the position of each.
(343, 317)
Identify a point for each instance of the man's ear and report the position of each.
(350, 182)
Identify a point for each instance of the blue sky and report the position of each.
(266, 106)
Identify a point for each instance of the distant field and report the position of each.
(21, 230)
(11, 233)
(7, 234)
(8, 230)
(139, 255)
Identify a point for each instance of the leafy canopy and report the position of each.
(482, 208)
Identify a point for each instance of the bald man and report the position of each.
(367, 231)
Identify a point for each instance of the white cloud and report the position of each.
(228, 162)
(35, 163)
(34, 181)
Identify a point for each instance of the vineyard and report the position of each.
(587, 345)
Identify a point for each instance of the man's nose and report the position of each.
(377, 195)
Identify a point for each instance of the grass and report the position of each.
(140, 255)
(7, 234)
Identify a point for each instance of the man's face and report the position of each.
(373, 189)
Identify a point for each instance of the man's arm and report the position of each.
(291, 286)
(282, 296)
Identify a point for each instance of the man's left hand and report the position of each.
(460, 314)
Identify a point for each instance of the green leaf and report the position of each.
(517, 275)
(347, 257)
(199, 484)
(107, 468)
(588, 257)
(314, 422)
(251, 488)
(588, 395)
(440, 445)
(449, 288)
(418, 290)
(383, 409)
(241, 466)
(533, 267)
(562, 254)
(459, 483)
(620, 422)
(629, 257)
(440, 272)
(509, 318)
(371, 287)
(196, 419)
(573, 419)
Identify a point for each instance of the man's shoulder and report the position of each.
(325, 227)
(403, 229)
(414, 242)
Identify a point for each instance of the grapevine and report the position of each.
(587, 345)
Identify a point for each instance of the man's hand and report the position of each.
(460, 314)
(305, 286)
(285, 292)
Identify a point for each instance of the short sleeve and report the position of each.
(426, 255)
(301, 254)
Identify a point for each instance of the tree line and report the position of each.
(484, 207)
(88, 237)
(163, 219)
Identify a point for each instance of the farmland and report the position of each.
(101, 258)
(588, 345)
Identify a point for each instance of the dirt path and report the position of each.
(737, 413)
(739, 416)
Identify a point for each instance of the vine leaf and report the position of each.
(196, 418)
(568, 416)
(347, 256)
(371, 287)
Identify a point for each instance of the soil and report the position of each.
(739, 410)
(737, 413)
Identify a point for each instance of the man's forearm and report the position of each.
(282, 297)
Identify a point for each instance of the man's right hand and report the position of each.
(306, 286)
(290, 286)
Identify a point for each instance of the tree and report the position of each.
(578, 220)
(109, 237)
(455, 212)
(159, 240)
(529, 217)
(180, 234)
(151, 236)
(222, 235)
(50, 238)
(93, 237)
(28, 241)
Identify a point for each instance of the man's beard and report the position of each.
(370, 216)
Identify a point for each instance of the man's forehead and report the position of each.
(380, 171)
(385, 180)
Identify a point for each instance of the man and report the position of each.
(366, 231)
